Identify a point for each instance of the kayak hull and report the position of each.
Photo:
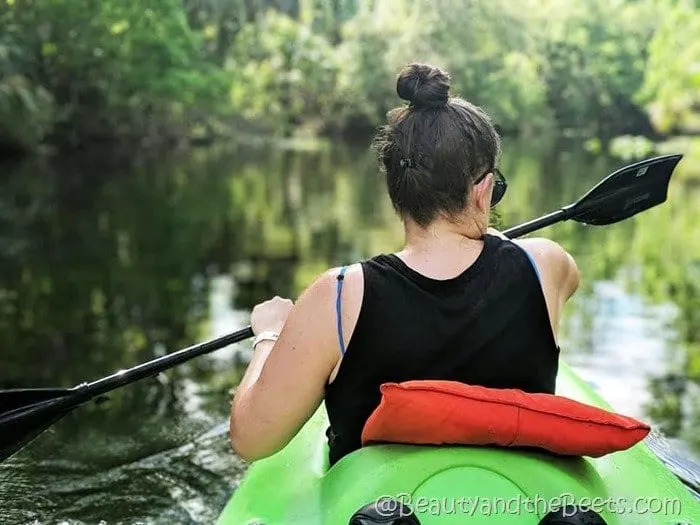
(457, 485)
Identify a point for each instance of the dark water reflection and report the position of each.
(102, 268)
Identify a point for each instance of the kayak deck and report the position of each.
(451, 485)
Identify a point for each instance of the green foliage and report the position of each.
(112, 68)
(26, 113)
(284, 73)
(672, 84)
(73, 72)
(382, 38)
(491, 48)
(26, 109)
(593, 60)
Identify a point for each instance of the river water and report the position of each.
(105, 264)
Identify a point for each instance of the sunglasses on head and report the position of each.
(499, 185)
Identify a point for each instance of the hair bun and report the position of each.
(423, 85)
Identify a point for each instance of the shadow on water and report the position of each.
(103, 266)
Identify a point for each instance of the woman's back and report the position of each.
(457, 303)
(488, 326)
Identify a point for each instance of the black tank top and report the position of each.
(488, 326)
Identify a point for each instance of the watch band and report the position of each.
(267, 335)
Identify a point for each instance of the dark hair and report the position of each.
(435, 147)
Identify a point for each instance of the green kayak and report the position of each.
(433, 485)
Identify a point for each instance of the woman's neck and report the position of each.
(442, 233)
(442, 248)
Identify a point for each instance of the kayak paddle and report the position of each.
(26, 413)
(622, 194)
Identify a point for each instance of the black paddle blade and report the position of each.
(626, 192)
(26, 413)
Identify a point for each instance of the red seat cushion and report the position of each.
(449, 412)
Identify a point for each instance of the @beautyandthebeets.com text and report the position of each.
(403, 504)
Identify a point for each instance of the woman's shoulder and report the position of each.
(545, 252)
(329, 281)
(554, 261)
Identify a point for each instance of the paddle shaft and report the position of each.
(86, 391)
(138, 372)
(536, 224)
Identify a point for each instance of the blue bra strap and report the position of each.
(340, 277)
(532, 261)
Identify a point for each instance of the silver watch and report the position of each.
(267, 335)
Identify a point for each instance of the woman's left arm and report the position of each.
(284, 383)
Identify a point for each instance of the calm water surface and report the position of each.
(103, 267)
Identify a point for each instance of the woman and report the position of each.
(459, 302)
